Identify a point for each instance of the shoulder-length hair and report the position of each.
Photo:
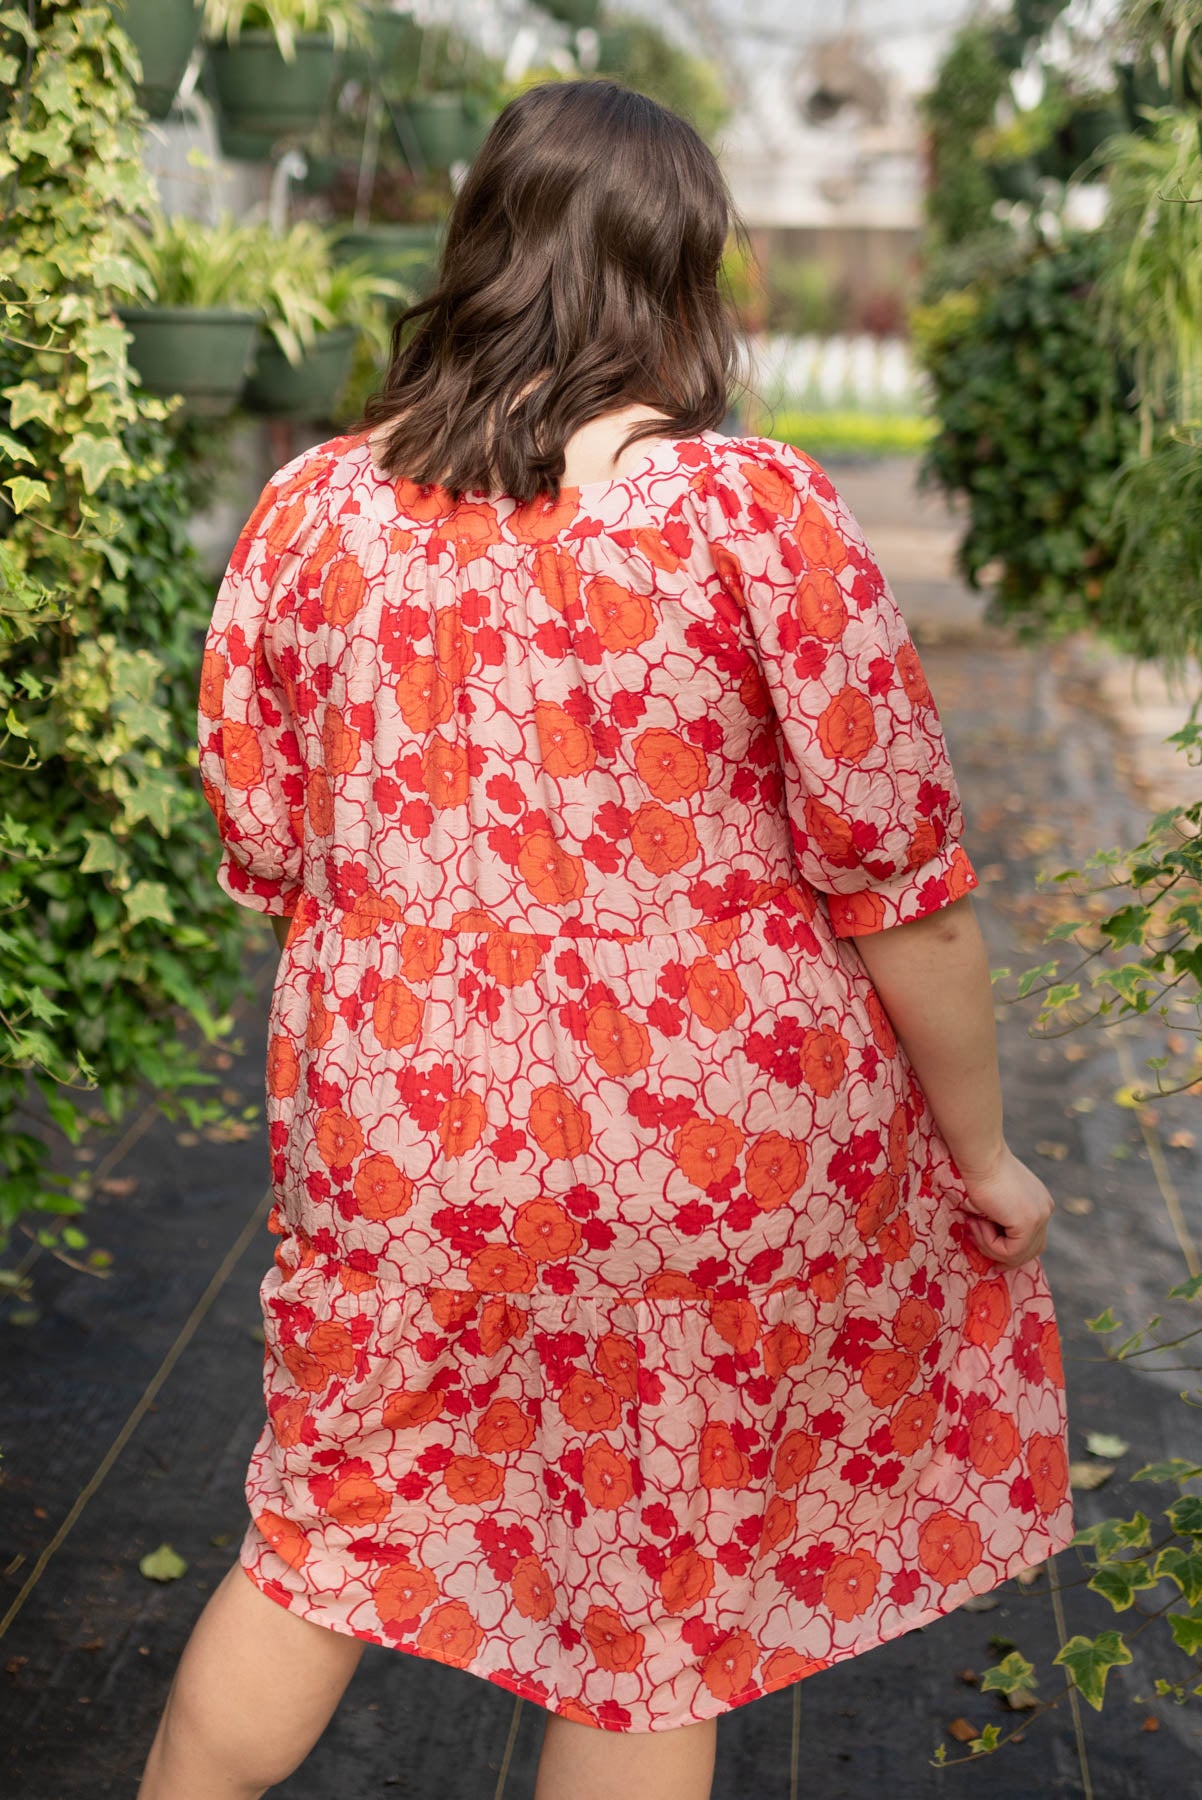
(580, 274)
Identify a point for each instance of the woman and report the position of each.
(656, 1317)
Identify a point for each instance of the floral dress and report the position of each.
(626, 1342)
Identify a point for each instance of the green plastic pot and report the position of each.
(164, 34)
(613, 49)
(407, 253)
(203, 354)
(396, 42)
(577, 13)
(260, 96)
(308, 389)
(446, 128)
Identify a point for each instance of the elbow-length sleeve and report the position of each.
(250, 756)
(874, 810)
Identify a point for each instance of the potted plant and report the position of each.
(449, 126)
(197, 336)
(576, 13)
(394, 43)
(271, 64)
(164, 33)
(316, 312)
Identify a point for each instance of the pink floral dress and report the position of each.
(626, 1344)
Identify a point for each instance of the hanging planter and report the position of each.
(396, 41)
(204, 354)
(164, 33)
(448, 128)
(305, 390)
(576, 13)
(405, 253)
(263, 97)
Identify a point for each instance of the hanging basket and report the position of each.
(205, 355)
(164, 33)
(576, 13)
(405, 253)
(396, 42)
(263, 98)
(447, 129)
(305, 390)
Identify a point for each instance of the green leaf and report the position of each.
(1101, 1443)
(1185, 1515)
(29, 401)
(95, 458)
(1104, 1322)
(1185, 1568)
(1110, 1535)
(149, 900)
(1172, 1469)
(1187, 1290)
(1187, 1631)
(14, 449)
(1119, 1582)
(1089, 1661)
(1011, 1674)
(25, 491)
(163, 1564)
(104, 854)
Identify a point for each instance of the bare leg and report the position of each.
(579, 1762)
(255, 1688)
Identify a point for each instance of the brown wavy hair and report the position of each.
(580, 274)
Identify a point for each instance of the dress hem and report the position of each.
(1055, 1542)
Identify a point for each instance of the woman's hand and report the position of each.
(1009, 1208)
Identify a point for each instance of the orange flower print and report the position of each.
(357, 1500)
(454, 646)
(542, 519)
(396, 1015)
(728, 1668)
(319, 1026)
(988, 1312)
(706, 1150)
(461, 1124)
(473, 1479)
(1050, 1354)
(339, 1138)
(286, 1420)
(607, 1479)
(1047, 1465)
(960, 877)
(993, 1441)
(857, 915)
(451, 1306)
(319, 803)
(533, 1589)
(821, 608)
(797, 1454)
(421, 952)
(786, 1666)
(424, 695)
(780, 1522)
(621, 619)
(775, 1168)
(736, 1322)
(408, 1408)
(502, 1427)
(402, 1594)
(660, 840)
(823, 1059)
(849, 1585)
(827, 1284)
(830, 834)
(847, 727)
(499, 1270)
(473, 530)
(620, 1044)
(558, 1123)
(242, 755)
(425, 502)
(500, 1323)
(588, 1404)
(545, 1231)
(343, 591)
(722, 1463)
(686, 1581)
(567, 749)
(715, 995)
(949, 1547)
(785, 1348)
(618, 1364)
(212, 684)
(556, 576)
(286, 1539)
(445, 773)
(554, 876)
(913, 680)
(772, 489)
(899, 1140)
(883, 1034)
(450, 1635)
(912, 1423)
(895, 1240)
(382, 1190)
(332, 1345)
(672, 769)
(283, 1069)
(915, 1323)
(880, 1201)
(821, 542)
(340, 743)
(614, 1646)
(886, 1375)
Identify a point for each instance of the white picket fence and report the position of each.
(845, 374)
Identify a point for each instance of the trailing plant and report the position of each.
(342, 21)
(112, 931)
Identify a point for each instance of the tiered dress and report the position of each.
(626, 1344)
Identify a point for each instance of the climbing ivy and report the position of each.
(111, 929)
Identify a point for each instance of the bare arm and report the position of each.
(933, 980)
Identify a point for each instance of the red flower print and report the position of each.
(450, 1635)
(728, 1668)
(1047, 1466)
(614, 1646)
(686, 1581)
(993, 1441)
(988, 1312)
(849, 1585)
(949, 1547)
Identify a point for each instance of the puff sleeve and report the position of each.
(874, 810)
(250, 757)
